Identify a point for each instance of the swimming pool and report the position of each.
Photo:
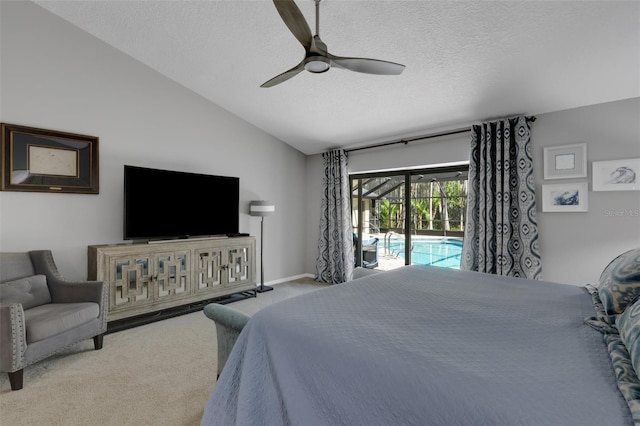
(444, 252)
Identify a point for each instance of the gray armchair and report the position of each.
(41, 313)
(229, 323)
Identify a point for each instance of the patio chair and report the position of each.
(370, 254)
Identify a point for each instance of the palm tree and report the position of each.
(443, 208)
(456, 196)
(389, 214)
(419, 207)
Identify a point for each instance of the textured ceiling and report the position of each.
(466, 61)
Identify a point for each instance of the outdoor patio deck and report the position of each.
(388, 262)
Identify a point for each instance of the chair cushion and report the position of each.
(51, 319)
(620, 282)
(30, 291)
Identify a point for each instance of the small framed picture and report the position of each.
(39, 160)
(566, 161)
(565, 197)
(616, 175)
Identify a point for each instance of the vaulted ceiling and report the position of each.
(466, 61)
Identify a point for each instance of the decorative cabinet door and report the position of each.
(239, 270)
(131, 281)
(224, 267)
(141, 280)
(172, 275)
(209, 264)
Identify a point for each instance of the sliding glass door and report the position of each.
(378, 212)
(409, 217)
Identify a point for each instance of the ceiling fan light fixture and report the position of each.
(317, 64)
(317, 58)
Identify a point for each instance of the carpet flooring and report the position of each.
(156, 374)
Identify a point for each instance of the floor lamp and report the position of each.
(262, 209)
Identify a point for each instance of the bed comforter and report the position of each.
(422, 345)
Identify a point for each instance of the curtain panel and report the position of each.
(501, 233)
(335, 246)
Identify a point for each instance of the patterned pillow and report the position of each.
(602, 322)
(620, 282)
(629, 328)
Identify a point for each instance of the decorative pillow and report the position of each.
(629, 328)
(624, 360)
(602, 322)
(620, 282)
(30, 291)
(626, 376)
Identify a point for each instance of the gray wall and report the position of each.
(575, 247)
(55, 76)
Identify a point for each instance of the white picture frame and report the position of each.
(565, 197)
(616, 175)
(565, 162)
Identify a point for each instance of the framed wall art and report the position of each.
(39, 160)
(566, 161)
(567, 197)
(616, 175)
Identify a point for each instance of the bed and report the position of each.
(424, 345)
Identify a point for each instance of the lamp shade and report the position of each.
(261, 208)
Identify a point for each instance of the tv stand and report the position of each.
(145, 278)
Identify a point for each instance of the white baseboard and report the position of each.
(284, 280)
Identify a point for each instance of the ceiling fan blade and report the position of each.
(281, 78)
(294, 19)
(365, 65)
(319, 46)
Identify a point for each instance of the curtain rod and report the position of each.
(406, 141)
(419, 138)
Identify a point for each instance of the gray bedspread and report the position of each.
(422, 346)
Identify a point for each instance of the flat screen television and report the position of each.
(165, 204)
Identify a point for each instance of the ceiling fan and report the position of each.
(317, 59)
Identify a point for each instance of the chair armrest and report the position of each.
(13, 337)
(229, 324)
(78, 291)
(226, 316)
(63, 290)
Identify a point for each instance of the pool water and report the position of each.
(444, 252)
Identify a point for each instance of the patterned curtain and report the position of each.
(335, 259)
(501, 233)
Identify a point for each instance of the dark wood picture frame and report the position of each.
(39, 160)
